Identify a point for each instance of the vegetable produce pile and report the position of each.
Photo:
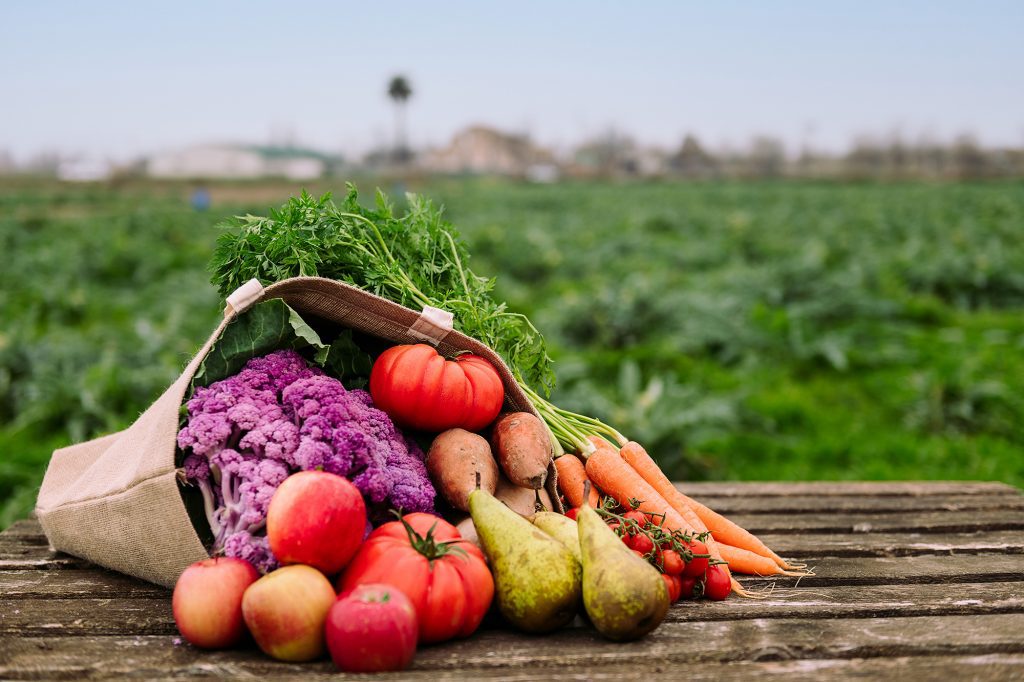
(247, 433)
(298, 468)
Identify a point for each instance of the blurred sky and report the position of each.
(121, 79)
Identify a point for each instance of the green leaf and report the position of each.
(347, 362)
(265, 327)
(274, 325)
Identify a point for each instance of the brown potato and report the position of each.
(523, 447)
(453, 462)
(522, 501)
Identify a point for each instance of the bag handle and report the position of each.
(432, 325)
(243, 297)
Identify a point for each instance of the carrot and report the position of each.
(721, 528)
(571, 478)
(743, 561)
(617, 478)
(728, 532)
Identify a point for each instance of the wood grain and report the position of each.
(921, 581)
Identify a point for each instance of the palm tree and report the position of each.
(400, 91)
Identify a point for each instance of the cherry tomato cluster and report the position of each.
(685, 564)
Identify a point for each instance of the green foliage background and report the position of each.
(760, 331)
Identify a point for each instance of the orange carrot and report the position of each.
(728, 532)
(743, 561)
(721, 528)
(571, 478)
(617, 478)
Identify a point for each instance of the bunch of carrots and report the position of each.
(630, 473)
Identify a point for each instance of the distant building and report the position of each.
(7, 166)
(692, 161)
(239, 162)
(84, 169)
(486, 151)
(615, 155)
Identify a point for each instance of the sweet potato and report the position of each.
(523, 447)
(453, 462)
(522, 501)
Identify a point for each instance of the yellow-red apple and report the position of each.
(285, 611)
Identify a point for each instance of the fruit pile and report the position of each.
(300, 474)
(412, 580)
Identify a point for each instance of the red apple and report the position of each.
(285, 611)
(316, 518)
(207, 601)
(372, 628)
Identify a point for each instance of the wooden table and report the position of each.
(913, 580)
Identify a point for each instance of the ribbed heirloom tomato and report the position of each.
(444, 576)
(418, 388)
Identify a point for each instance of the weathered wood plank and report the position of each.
(861, 504)
(576, 649)
(845, 488)
(837, 571)
(26, 553)
(894, 544)
(863, 601)
(153, 658)
(86, 617)
(147, 610)
(24, 528)
(98, 586)
(911, 522)
(86, 583)
(830, 571)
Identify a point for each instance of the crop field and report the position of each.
(755, 331)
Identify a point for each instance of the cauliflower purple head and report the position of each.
(247, 433)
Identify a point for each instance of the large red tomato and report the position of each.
(444, 576)
(420, 389)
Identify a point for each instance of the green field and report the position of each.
(762, 331)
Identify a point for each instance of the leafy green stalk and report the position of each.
(414, 259)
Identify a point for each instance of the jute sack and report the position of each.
(115, 500)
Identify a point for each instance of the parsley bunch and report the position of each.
(414, 259)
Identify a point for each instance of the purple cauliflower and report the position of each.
(246, 434)
(341, 432)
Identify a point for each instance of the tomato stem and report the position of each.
(427, 545)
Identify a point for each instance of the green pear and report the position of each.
(624, 595)
(537, 581)
(561, 528)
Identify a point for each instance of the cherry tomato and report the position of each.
(698, 565)
(671, 562)
(672, 583)
(640, 554)
(636, 515)
(641, 543)
(717, 584)
(614, 525)
(686, 588)
(572, 513)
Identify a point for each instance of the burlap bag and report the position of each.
(115, 500)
